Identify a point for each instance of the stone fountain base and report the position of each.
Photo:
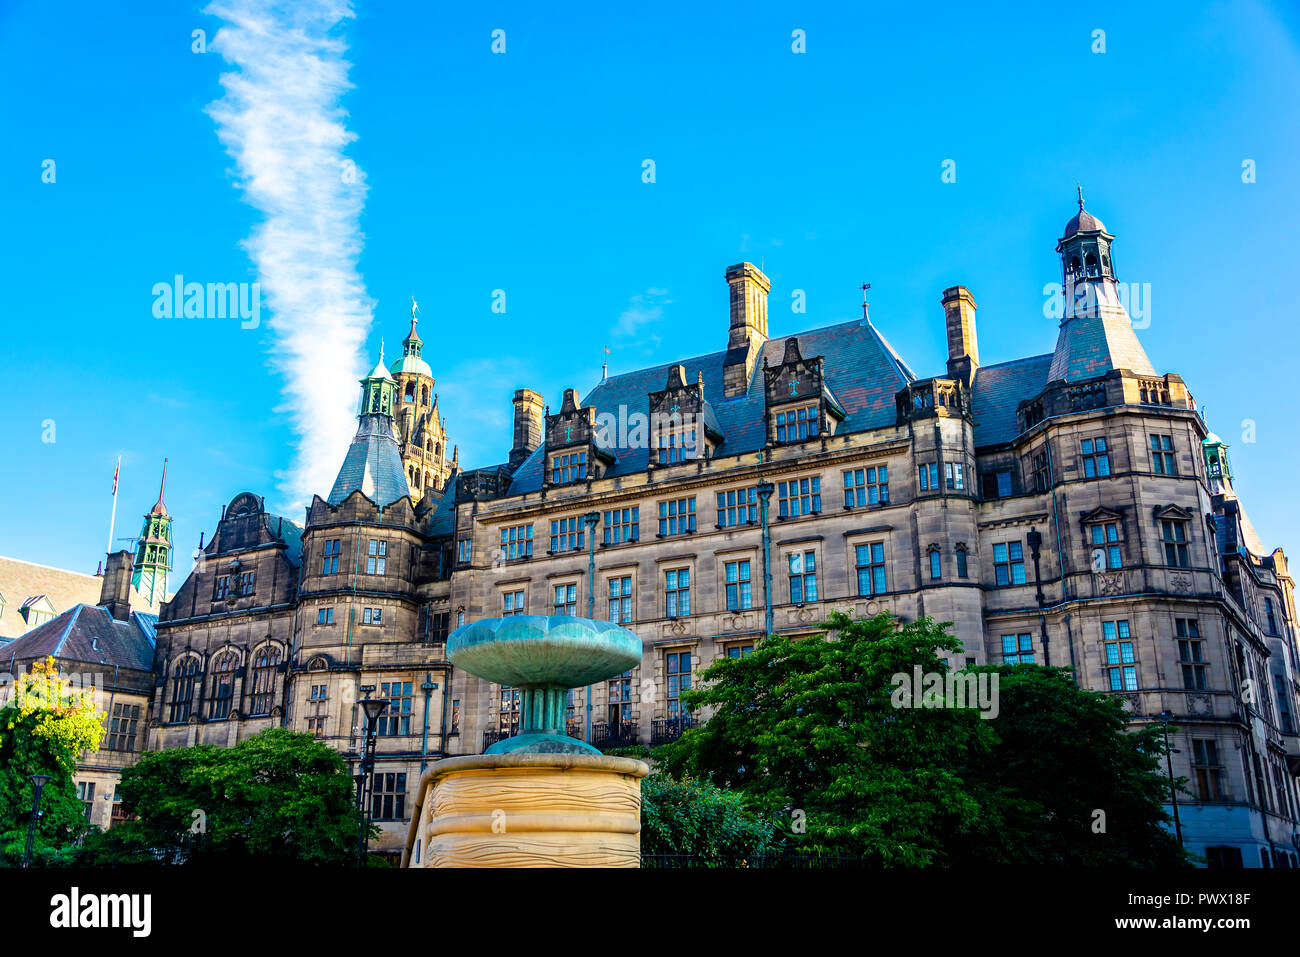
(528, 810)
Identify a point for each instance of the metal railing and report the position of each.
(663, 730)
(616, 735)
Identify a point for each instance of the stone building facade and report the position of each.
(1069, 508)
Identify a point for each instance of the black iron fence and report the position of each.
(616, 735)
(663, 730)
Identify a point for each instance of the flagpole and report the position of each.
(113, 520)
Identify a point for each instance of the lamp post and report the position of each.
(38, 785)
(1165, 717)
(591, 518)
(373, 707)
(765, 490)
(1035, 540)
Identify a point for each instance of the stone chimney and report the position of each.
(963, 348)
(115, 592)
(749, 289)
(530, 425)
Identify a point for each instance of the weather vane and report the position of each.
(415, 307)
(865, 287)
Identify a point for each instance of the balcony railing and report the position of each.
(618, 735)
(492, 737)
(663, 730)
(574, 729)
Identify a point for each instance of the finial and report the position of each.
(1080, 189)
(163, 484)
(865, 287)
(381, 350)
(415, 307)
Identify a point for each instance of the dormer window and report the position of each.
(795, 425)
(568, 467)
(678, 443)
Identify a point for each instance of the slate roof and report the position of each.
(64, 589)
(373, 464)
(290, 533)
(861, 368)
(443, 519)
(996, 392)
(88, 633)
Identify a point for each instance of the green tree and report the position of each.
(1081, 789)
(44, 727)
(703, 821)
(808, 726)
(280, 797)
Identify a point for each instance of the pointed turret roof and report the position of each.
(159, 508)
(373, 463)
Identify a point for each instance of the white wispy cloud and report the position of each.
(281, 121)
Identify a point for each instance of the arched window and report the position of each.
(1090, 264)
(424, 395)
(417, 478)
(438, 451)
(223, 686)
(184, 676)
(264, 668)
(410, 392)
(1074, 265)
(428, 445)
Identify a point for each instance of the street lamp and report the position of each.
(373, 708)
(591, 518)
(765, 490)
(38, 785)
(1165, 717)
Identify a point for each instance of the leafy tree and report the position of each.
(1085, 790)
(811, 726)
(44, 727)
(280, 797)
(703, 821)
(808, 725)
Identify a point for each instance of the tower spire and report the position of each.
(159, 508)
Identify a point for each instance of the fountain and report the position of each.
(539, 798)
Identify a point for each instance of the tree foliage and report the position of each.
(280, 797)
(701, 820)
(807, 728)
(44, 727)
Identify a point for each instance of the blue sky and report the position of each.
(522, 171)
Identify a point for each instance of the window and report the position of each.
(397, 718)
(455, 715)
(223, 686)
(1105, 546)
(462, 551)
(622, 525)
(737, 506)
(316, 714)
(799, 496)
(620, 600)
(961, 561)
(86, 794)
(1206, 769)
(264, 667)
(936, 565)
(508, 711)
(223, 586)
(997, 484)
(1121, 666)
(953, 476)
(517, 542)
(676, 446)
(437, 625)
(324, 616)
(372, 616)
(927, 477)
(1095, 457)
(1268, 612)
(569, 467)
(460, 618)
(388, 802)
(376, 557)
(184, 676)
(866, 486)
(122, 727)
(1039, 470)
(678, 669)
(803, 576)
(1173, 533)
(871, 568)
(620, 698)
(1162, 455)
(740, 651)
(677, 516)
(1191, 653)
(1018, 649)
(1283, 705)
(1009, 563)
(739, 594)
(245, 583)
(796, 424)
(566, 599)
(677, 592)
(567, 534)
(514, 603)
